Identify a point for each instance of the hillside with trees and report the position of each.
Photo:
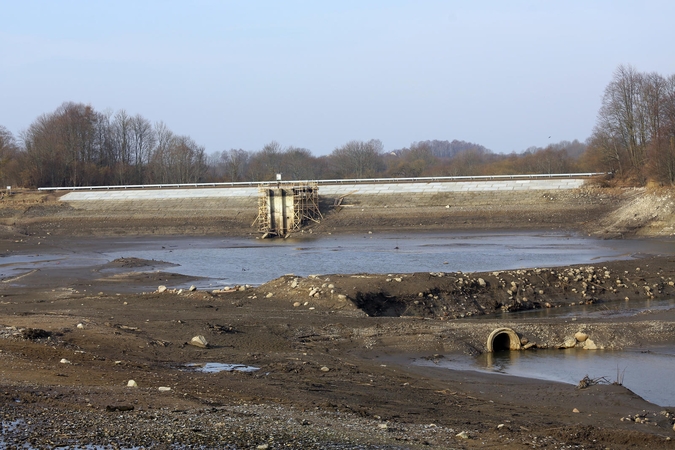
(75, 145)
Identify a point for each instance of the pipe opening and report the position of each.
(503, 339)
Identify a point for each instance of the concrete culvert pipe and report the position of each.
(503, 339)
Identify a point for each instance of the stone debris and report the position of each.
(463, 435)
(580, 336)
(163, 389)
(199, 341)
(569, 343)
(325, 369)
(590, 345)
(161, 289)
(193, 288)
(65, 361)
(119, 408)
(643, 417)
(80, 326)
(132, 383)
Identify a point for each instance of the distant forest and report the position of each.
(634, 138)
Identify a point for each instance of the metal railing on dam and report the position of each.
(239, 184)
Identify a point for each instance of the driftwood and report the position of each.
(587, 381)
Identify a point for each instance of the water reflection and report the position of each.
(255, 262)
(648, 373)
(224, 261)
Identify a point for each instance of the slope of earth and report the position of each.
(32, 213)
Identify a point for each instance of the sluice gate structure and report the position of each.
(285, 209)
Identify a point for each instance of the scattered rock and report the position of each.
(80, 326)
(269, 295)
(575, 410)
(193, 288)
(132, 383)
(119, 408)
(161, 289)
(163, 389)
(199, 341)
(481, 282)
(590, 345)
(569, 343)
(296, 304)
(64, 361)
(325, 369)
(580, 336)
(463, 435)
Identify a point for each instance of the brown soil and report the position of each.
(333, 367)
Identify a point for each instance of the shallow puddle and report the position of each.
(213, 367)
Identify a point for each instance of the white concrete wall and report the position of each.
(332, 190)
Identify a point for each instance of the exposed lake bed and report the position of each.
(322, 358)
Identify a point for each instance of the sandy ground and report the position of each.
(332, 366)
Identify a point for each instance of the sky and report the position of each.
(316, 74)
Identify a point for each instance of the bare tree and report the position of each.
(177, 159)
(298, 164)
(142, 142)
(662, 148)
(122, 137)
(266, 163)
(358, 159)
(9, 151)
(234, 163)
(411, 162)
(622, 118)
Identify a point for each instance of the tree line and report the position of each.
(634, 137)
(635, 131)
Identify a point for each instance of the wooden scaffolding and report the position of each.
(284, 209)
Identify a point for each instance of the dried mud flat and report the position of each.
(331, 353)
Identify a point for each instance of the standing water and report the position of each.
(648, 373)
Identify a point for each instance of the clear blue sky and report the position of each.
(316, 74)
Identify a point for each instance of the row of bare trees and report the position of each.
(635, 131)
(76, 145)
(367, 159)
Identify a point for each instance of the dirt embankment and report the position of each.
(607, 212)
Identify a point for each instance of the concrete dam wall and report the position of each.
(503, 203)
